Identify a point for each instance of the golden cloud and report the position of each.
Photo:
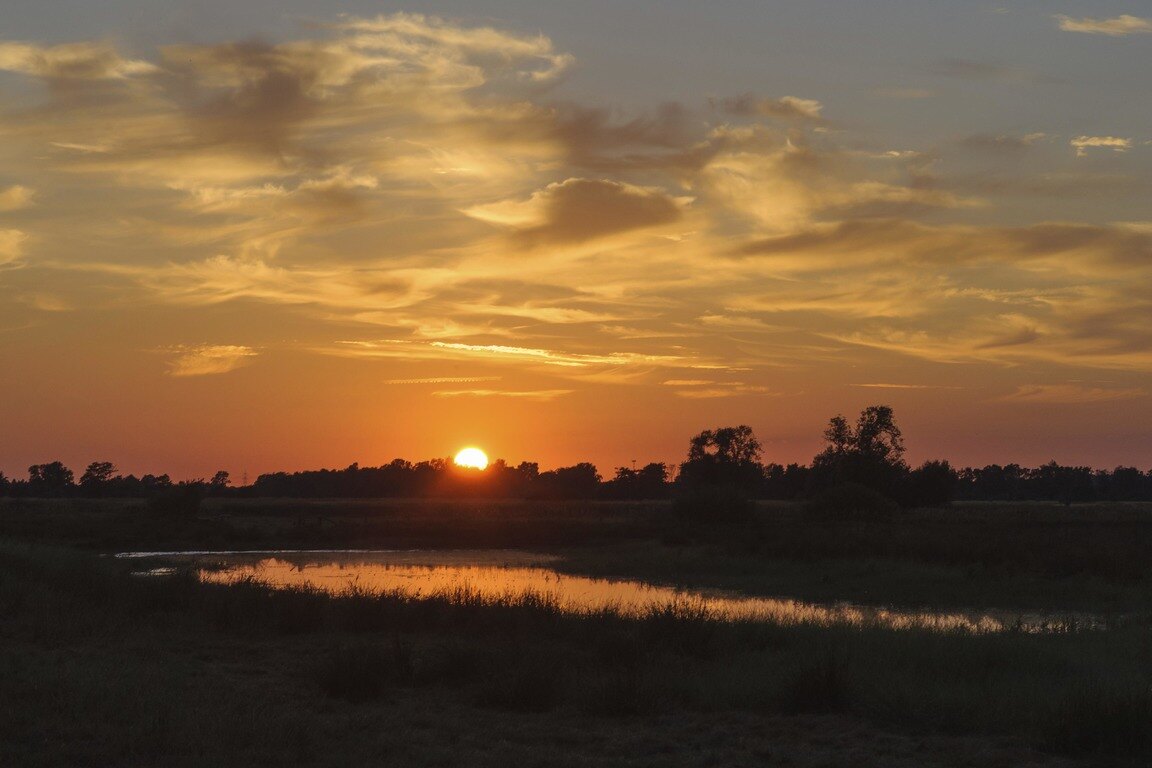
(1071, 394)
(541, 395)
(787, 107)
(209, 359)
(576, 210)
(1083, 143)
(361, 176)
(15, 198)
(1118, 26)
(11, 246)
(71, 61)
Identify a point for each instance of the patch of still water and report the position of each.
(507, 574)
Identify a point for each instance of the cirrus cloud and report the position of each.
(208, 359)
(1083, 143)
(1118, 26)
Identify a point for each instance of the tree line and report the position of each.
(864, 457)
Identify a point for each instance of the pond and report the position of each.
(496, 574)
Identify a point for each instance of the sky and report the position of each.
(276, 236)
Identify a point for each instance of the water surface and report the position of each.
(499, 574)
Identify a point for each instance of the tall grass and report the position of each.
(1078, 692)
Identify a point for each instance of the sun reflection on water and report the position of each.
(510, 575)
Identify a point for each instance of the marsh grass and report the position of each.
(152, 667)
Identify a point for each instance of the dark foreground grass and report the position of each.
(100, 667)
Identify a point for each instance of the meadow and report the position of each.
(103, 667)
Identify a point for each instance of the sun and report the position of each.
(473, 458)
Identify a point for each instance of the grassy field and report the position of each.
(1092, 558)
(101, 667)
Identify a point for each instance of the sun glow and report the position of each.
(473, 458)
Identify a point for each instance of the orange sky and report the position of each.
(396, 235)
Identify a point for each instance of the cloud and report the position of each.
(787, 107)
(721, 389)
(586, 366)
(576, 210)
(415, 179)
(1071, 394)
(11, 246)
(552, 357)
(1115, 27)
(15, 197)
(208, 359)
(445, 380)
(880, 385)
(71, 61)
(1084, 143)
(479, 47)
(1001, 143)
(541, 395)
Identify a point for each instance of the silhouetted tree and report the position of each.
(870, 454)
(1125, 484)
(1054, 482)
(648, 482)
(932, 484)
(784, 482)
(725, 456)
(580, 481)
(97, 478)
(52, 479)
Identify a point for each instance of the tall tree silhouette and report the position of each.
(870, 453)
(724, 456)
(52, 479)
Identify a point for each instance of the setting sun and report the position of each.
(471, 457)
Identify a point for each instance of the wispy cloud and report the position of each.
(881, 385)
(1118, 26)
(15, 198)
(1083, 143)
(445, 380)
(724, 390)
(553, 357)
(208, 359)
(1003, 142)
(71, 61)
(11, 246)
(786, 107)
(542, 395)
(1071, 393)
(401, 348)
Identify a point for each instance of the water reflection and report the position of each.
(501, 574)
